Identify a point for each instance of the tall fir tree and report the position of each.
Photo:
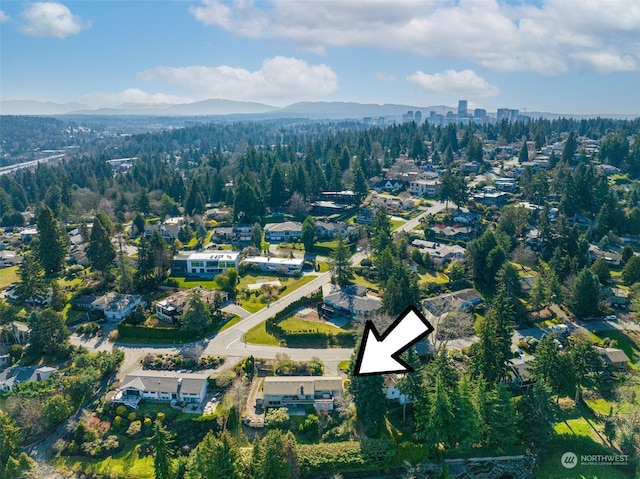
(53, 241)
(161, 443)
(101, 251)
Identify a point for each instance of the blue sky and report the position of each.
(565, 56)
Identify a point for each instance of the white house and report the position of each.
(287, 231)
(290, 266)
(291, 391)
(440, 253)
(205, 265)
(19, 374)
(170, 308)
(163, 386)
(113, 305)
(428, 188)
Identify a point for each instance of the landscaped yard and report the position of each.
(253, 302)
(429, 277)
(627, 341)
(8, 276)
(294, 324)
(231, 322)
(357, 279)
(259, 335)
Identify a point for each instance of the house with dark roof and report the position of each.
(300, 391)
(171, 307)
(462, 300)
(520, 369)
(350, 302)
(10, 377)
(163, 386)
(614, 358)
(326, 230)
(113, 305)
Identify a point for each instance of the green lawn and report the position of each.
(625, 342)
(231, 322)
(395, 224)
(254, 303)
(438, 278)
(357, 279)
(8, 276)
(125, 463)
(188, 283)
(258, 335)
(294, 324)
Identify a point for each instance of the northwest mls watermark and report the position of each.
(571, 460)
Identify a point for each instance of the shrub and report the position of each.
(147, 421)
(160, 416)
(131, 416)
(117, 421)
(120, 410)
(134, 428)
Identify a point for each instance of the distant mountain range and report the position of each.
(220, 107)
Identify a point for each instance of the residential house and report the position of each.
(470, 167)
(169, 232)
(301, 391)
(389, 185)
(462, 300)
(5, 360)
(287, 231)
(612, 258)
(27, 234)
(164, 386)
(428, 188)
(440, 253)
(206, 264)
(346, 197)
(242, 233)
(23, 374)
(351, 302)
(467, 217)
(289, 266)
(170, 308)
(9, 258)
(327, 208)
(20, 332)
(520, 369)
(113, 305)
(581, 221)
(364, 216)
(618, 297)
(222, 234)
(506, 184)
(454, 233)
(325, 230)
(393, 203)
(614, 358)
(219, 214)
(496, 198)
(392, 391)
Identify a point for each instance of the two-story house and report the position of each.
(291, 391)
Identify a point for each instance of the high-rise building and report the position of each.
(462, 108)
(479, 113)
(502, 114)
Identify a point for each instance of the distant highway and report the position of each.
(29, 164)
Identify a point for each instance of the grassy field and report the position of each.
(357, 279)
(8, 276)
(438, 278)
(188, 283)
(254, 303)
(258, 335)
(126, 463)
(231, 322)
(395, 224)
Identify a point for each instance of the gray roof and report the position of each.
(164, 381)
(290, 385)
(354, 298)
(287, 225)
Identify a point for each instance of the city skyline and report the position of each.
(545, 56)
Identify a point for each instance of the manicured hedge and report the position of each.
(372, 454)
(135, 331)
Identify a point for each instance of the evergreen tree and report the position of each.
(453, 188)
(369, 399)
(215, 458)
(274, 463)
(53, 241)
(494, 348)
(101, 251)
(401, 290)
(161, 442)
(537, 294)
(256, 236)
(385, 264)
(381, 230)
(570, 147)
(340, 263)
(509, 279)
(144, 277)
(161, 254)
(48, 332)
(359, 184)
(536, 416)
(601, 269)
(501, 418)
(586, 294)
(631, 271)
(277, 189)
(58, 297)
(31, 286)
(466, 430)
(197, 315)
(138, 224)
(523, 157)
(439, 430)
(308, 234)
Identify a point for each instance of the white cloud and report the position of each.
(465, 83)
(130, 95)
(605, 62)
(385, 77)
(3, 17)
(51, 19)
(278, 78)
(550, 38)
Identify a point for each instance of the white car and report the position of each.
(611, 317)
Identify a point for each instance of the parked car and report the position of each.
(611, 317)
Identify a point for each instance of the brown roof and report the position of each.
(613, 355)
